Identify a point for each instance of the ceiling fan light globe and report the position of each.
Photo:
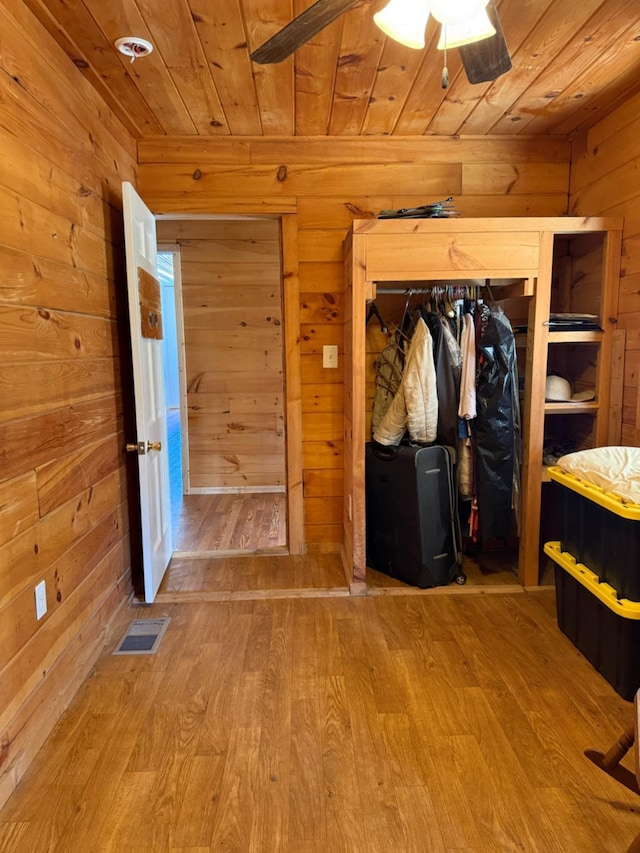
(404, 21)
(454, 12)
(475, 29)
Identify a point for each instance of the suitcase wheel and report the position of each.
(461, 579)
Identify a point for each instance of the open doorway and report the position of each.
(224, 375)
(168, 271)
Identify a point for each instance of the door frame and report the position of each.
(289, 268)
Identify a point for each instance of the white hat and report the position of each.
(558, 390)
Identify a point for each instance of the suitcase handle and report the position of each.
(385, 452)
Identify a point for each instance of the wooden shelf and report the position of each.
(591, 337)
(591, 406)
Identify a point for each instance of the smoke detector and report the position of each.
(134, 47)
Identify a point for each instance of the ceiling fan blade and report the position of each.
(487, 59)
(303, 28)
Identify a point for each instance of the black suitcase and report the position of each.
(413, 529)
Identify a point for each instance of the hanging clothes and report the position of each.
(415, 406)
(446, 356)
(465, 468)
(467, 407)
(389, 366)
(496, 427)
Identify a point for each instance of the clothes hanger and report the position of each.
(448, 307)
(374, 311)
(487, 284)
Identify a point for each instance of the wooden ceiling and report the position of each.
(573, 61)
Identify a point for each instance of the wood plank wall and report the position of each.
(232, 309)
(63, 507)
(330, 182)
(604, 180)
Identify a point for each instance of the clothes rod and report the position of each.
(397, 290)
(412, 291)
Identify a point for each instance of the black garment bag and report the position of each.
(496, 427)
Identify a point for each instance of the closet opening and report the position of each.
(483, 433)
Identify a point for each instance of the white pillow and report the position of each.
(614, 469)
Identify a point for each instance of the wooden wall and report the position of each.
(63, 507)
(328, 183)
(231, 305)
(605, 180)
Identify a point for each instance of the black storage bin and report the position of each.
(600, 625)
(600, 531)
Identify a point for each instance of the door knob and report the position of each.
(138, 448)
(154, 445)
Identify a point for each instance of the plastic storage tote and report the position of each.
(605, 628)
(601, 531)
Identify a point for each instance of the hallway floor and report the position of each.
(230, 524)
(221, 524)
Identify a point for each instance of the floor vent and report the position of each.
(143, 637)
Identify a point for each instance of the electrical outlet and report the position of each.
(329, 355)
(41, 599)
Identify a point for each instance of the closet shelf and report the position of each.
(571, 408)
(591, 337)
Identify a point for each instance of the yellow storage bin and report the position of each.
(601, 530)
(605, 628)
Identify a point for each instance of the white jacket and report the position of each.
(415, 406)
(467, 408)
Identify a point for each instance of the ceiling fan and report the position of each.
(483, 60)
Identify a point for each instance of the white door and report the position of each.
(148, 383)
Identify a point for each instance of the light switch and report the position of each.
(329, 356)
(40, 592)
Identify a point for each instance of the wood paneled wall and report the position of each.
(232, 311)
(330, 182)
(605, 180)
(63, 507)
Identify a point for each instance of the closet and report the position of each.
(535, 267)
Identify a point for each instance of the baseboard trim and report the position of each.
(249, 595)
(238, 490)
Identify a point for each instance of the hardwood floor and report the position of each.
(381, 724)
(247, 523)
(230, 524)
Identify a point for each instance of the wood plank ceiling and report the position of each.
(574, 60)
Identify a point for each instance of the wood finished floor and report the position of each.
(228, 524)
(380, 724)
(248, 523)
